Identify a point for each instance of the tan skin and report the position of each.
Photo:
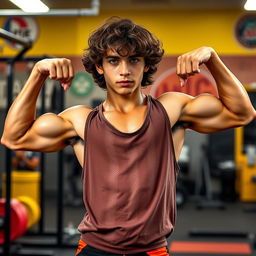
(125, 105)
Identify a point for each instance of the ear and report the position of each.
(146, 69)
(99, 69)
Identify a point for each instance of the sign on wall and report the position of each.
(18, 84)
(82, 84)
(25, 27)
(195, 85)
(245, 31)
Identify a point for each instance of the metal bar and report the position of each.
(60, 182)
(16, 39)
(209, 233)
(1, 222)
(25, 59)
(207, 177)
(46, 244)
(31, 253)
(56, 12)
(42, 169)
(7, 223)
(7, 220)
(21, 53)
(93, 11)
(34, 234)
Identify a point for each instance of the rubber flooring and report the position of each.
(227, 232)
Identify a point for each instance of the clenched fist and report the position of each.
(60, 69)
(189, 63)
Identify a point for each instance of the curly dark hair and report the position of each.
(125, 37)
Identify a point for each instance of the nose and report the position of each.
(124, 69)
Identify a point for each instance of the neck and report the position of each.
(123, 103)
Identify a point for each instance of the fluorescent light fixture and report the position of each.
(31, 5)
(250, 5)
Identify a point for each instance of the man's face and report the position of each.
(123, 75)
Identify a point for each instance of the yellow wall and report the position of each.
(180, 31)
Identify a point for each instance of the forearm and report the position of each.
(21, 114)
(231, 92)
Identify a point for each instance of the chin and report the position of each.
(126, 91)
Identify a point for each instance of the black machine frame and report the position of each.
(12, 248)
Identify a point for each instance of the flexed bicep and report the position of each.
(232, 108)
(48, 133)
(206, 113)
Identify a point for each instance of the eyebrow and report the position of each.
(117, 56)
(112, 56)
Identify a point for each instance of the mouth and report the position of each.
(125, 82)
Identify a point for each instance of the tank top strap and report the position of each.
(140, 130)
(89, 118)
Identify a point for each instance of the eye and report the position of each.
(113, 61)
(134, 60)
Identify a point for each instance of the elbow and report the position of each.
(4, 141)
(9, 144)
(246, 119)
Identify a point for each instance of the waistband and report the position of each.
(163, 251)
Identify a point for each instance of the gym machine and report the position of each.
(57, 238)
(245, 171)
(245, 156)
(5, 222)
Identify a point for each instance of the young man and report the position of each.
(125, 145)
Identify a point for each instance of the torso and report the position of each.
(127, 123)
(135, 170)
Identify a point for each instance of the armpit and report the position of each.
(180, 125)
(72, 141)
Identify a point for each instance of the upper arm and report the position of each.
(206, 113)
(51, 132)
(48, 133)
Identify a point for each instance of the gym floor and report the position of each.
(233, 219)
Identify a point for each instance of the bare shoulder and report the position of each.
(174, 102)
(72, 112)
(77, 115)
(174, 97)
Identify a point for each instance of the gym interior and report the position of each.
(216, 186)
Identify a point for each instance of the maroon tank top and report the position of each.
(129, 183)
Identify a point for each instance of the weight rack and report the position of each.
(57, 237)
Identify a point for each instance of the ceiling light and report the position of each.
(31, 5)
(250, 5)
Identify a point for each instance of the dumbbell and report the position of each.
(19, 219)
(25, 212)
(33, 209)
